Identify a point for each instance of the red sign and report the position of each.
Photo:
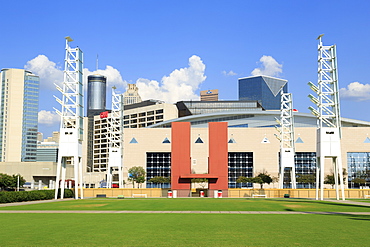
(104, 114)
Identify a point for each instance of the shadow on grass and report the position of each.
(319, 202)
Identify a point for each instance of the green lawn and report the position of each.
(183, 230)
(195, 204)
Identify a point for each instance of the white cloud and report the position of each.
(50, 73)
(114, 77)
(48, 118)
(230, 73)
(269, 67)
(181, 84)
(47, 70)
(355, 91)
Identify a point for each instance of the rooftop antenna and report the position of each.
(97, 62)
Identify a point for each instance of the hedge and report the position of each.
(34, 195)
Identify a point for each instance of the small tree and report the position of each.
(263, 178)
(5, 181)
(159, 180)
(11, 181)
(201, 181)
(136, 174)
(330, 179)
(306, 179)
(359, 181)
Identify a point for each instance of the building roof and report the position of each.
(254, 119)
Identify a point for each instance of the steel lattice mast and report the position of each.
(286, 138)
(328, 116)
(71, 123)
(115, 139)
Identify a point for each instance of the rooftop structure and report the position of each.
(264, 89)
(209, 95)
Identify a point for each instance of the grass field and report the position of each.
(183, 230)
(196, 204)
(112, 229)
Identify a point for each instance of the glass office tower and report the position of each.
(264, 89)
(19, 115)
(96, 103)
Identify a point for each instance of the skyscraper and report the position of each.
(19, 94)
(209, 95)
(131, 96)
(96, 103)
(264, 89)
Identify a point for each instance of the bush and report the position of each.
(34, 195)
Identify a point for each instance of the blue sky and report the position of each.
(174, 49)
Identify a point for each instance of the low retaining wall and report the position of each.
(297, 193)
(232, 193)
(115, 192)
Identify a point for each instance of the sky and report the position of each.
(174, 49)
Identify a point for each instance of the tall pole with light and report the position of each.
(328, 118)
(115, 139)
(71, 120)
(286, 138)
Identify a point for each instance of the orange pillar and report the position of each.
(218, 157)
(180, 157)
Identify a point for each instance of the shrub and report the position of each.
(34, 195)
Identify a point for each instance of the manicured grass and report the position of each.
(195, 204)
(183, 230)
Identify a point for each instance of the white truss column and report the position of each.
(71, 120)
(286, 138)
(115, 136)
(328, 118)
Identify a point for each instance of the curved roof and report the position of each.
(254, 119)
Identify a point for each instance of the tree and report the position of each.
(5, 181)
(11, 181)
(201, 181)
(263, 178)
(136, 174)
(359, 181)
(159, 180)
(306, 179)
(330, 179)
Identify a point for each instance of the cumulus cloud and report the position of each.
(48, 118)
(355, 91)
(230, 73)
(47, 70)
(114, 77)
(50, 73)
(181, 84)
(269, 66)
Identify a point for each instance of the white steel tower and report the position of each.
(71, 120)
(115, 139)
(286, 139)
(328, 116)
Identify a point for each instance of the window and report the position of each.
(358, 168)
(158, 165)
(240, 164)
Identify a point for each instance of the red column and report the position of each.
(218, 156)
(180, 157)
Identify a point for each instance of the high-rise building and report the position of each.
(209, 95)
(96, 93)
(96, 103)
(131, 96)
(19, 94)
(264, 89)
